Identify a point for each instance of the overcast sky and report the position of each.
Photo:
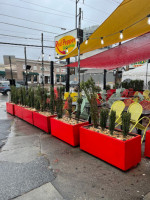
(59, 13)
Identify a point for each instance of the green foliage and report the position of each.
(126, 116)
(12, 96)
(91, 90)
(112, 119)
(40, 98)
(69, 106)
(103, 117)
(52, 100)
(37, 103)
(108, 87)
(59, 102)
(78, 113)
(116, 86)
(137, 85)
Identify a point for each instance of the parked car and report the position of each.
(5, 87)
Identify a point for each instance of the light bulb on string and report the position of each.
(77, 39)
(66, 50)
(148, 20)
(49, 57)
(86, 41)
(121, 35)
(42, 55)
(102, 41)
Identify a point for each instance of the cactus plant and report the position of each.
(112, 119)
(103, 118)
(126, 116)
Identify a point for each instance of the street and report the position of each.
(35, 165)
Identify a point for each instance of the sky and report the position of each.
(51, 17)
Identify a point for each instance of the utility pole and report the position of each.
(104, 81)
(52, 73)
(26, 74)
(79, 53)
(68, 75)
(76, 25)
(42, 62)
(12, 81)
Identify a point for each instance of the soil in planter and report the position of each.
(47, 114)
(116, 134)
(70, 121)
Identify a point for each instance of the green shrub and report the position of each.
(137, 85)
(59, 102)
(69, 106)
(52, 100)
(126, 116)
(91, 90)
(108, 87)
(78, 113)
(103, 117)
(112, 119)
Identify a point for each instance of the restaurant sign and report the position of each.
(65, 43)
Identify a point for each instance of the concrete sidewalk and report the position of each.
(35, 165)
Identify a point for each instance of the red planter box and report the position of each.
(147, 144)
(66, 132)
(10, 108)
(27, 115)
(42, 121)
(18, 111)
(121, 154)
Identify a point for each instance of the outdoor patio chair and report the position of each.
(136, 110)
(103, 95)
(114, 97)
(66, 95)
(74, 96)
(141, 97)
(118, 106)
(145, 104)
(125, 93)
(146, 94)
(128, 102)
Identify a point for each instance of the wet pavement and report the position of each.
(33, 162)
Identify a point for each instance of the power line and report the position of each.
(27, 27)
(45, 7)
(22, 33)
(23, 37)
(33, 21)
(35, 10)
(28, 45)
(86, 19)
(87, 5)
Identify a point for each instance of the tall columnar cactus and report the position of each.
(103, 118)
(112, 119)
(90, 90)
(52, 100)
(78, 113)
(94, 111)
(59, 102)
(70, 106)
(126, 117)
(12, 95)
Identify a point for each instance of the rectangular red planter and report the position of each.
(10, 108)
(18, 111)
(42, 121)
(121, 154)
(147, 144)
(27, 115)
(66, 132)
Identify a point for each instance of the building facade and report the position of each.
(34, 75)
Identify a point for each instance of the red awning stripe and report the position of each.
(135, 50)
